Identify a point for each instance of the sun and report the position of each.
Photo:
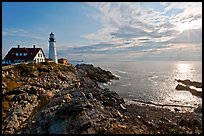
(188, 26)
(184, 27)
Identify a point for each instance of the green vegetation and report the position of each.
(5, 107)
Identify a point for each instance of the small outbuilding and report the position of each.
(63, 61)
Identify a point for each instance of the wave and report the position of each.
(126, 84)
(152, 77)
(123, 72)
(108, 83)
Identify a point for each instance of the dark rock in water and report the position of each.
(181, 87)
(189, 82)
(192, 91)
(195, 92)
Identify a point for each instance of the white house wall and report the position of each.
(39, 57)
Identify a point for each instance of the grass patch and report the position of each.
(11, 84)
(5, 107)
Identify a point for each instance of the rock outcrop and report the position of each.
(189, 82)
(96, 73)
(49, 98)
(186, 87)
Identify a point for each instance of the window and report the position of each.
(25, 54)
(20, 54)
(16, 53)
(39, 55)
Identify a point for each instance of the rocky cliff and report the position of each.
(54, 98)
(49, 98)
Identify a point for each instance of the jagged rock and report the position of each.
(189, 82)
(53, 102)
(181, 87)
(193, 91)
(70, 109)
(96, 73)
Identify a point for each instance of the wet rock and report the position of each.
(192, 91)
(181, 87)
(70, 109)
(198, 110)
(195, 92)
(189, 82)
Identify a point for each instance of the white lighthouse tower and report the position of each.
(52, 48)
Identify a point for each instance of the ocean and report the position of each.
(154, 81)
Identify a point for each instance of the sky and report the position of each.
(106, 31)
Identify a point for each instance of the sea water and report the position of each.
(154, 81)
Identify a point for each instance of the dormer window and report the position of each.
(17, 54)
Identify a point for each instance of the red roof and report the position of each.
(31, 53)
(62, 59)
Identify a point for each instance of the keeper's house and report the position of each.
(18, 55)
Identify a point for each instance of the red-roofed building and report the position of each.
(18, 55)
(63, 61)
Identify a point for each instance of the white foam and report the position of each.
(121, 71)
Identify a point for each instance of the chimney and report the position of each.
(33, 46)
(18, 46)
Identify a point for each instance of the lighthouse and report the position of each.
(52, 48)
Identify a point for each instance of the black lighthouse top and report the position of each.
(52, 39)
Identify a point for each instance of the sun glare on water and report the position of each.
(183, 71)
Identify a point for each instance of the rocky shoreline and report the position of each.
(49, 98)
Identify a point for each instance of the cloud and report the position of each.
(191, 12)
(129, 20)
(20, 33)
(188, 36)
